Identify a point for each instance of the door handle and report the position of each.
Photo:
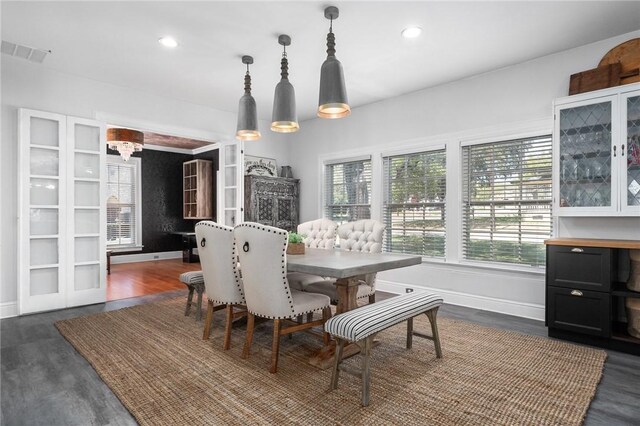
(576, 293)
(577, 250)
(622, 150)
(615, 147)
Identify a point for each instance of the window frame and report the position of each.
(344, 160)
(405, 153)
(137, 163)
(541, 132)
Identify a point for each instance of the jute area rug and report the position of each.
(155, 361)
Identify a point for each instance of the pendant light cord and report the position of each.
(284, 65)
(331, 41)
(247, 82)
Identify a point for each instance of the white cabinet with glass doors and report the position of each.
(597, 153)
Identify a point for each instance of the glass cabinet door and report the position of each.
(630, 201)
(585, 155)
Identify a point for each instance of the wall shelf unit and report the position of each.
(197, 187)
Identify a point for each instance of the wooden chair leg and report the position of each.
(372, 298)
(249, 338)
(309, 316)
(208, 321)
(275, 348)
(366, 361)
(326, 314)
(189, 302)
(434, 330)
(409, 333)
(336, 364)
(199, 306)
(227, 329)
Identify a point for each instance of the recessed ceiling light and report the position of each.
(411, 32)
(168, 41)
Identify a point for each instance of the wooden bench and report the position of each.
(194, 280)
(360, 326)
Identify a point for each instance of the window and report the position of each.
(414, 203)
(347, 191)
(123, 203)
(506, 197)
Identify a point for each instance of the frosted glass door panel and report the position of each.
(43, 281)
(44, 132)
(87, 165)
(230, 176)
(86, 249)
(230, 218)
(230, 155)
(87, 221)
(87, 137)
(44, 162)
(43, 221)
(44, 252)
(633, 152)
(230, 198)
(87, 277)
(585, 156)
(87, 194)
(43, 192)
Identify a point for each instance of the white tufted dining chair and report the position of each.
(222, 282)
(263, 253)
(364, 236)
(321, 234)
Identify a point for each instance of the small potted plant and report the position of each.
(296, 245)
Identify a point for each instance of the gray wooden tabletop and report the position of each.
(343, 264)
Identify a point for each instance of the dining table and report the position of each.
(346, 267)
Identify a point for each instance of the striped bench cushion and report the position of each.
(192, 278)
(359, 323)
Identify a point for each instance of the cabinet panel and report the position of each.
(579, 267)
(631, 153)
(272, 201)
(585, 312)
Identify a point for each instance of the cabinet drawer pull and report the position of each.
(577, 250)
(576, 293)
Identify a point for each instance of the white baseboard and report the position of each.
(8, 309)
(503, 306)
(145, 257)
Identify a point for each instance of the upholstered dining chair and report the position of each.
(321, 234)
(263, 253)
(364, 236)
(222, 282)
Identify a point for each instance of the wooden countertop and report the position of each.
(592, 242)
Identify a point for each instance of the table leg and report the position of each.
(347, 289)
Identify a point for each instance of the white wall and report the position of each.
(27, 85)
(503, 102)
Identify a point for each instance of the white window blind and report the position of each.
(347, 191)
(414, 203)
(122, 196)
(506, 197)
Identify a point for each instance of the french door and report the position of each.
(62, 209)
(230, 195)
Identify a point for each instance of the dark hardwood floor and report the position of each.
(46, 382)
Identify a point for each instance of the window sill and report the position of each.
(124, 249)
(496, 266)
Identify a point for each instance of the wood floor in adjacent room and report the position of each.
(144, 278)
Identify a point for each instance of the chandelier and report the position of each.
(125, 141)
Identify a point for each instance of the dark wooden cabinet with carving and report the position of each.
(272, 201)
(584, 302)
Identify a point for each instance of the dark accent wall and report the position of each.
(162, 198)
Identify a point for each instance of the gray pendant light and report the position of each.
(284, 118)
(247, 113)
(333, 101)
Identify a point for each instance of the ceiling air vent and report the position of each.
(25, 52)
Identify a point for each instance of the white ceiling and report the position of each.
(116, 42)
